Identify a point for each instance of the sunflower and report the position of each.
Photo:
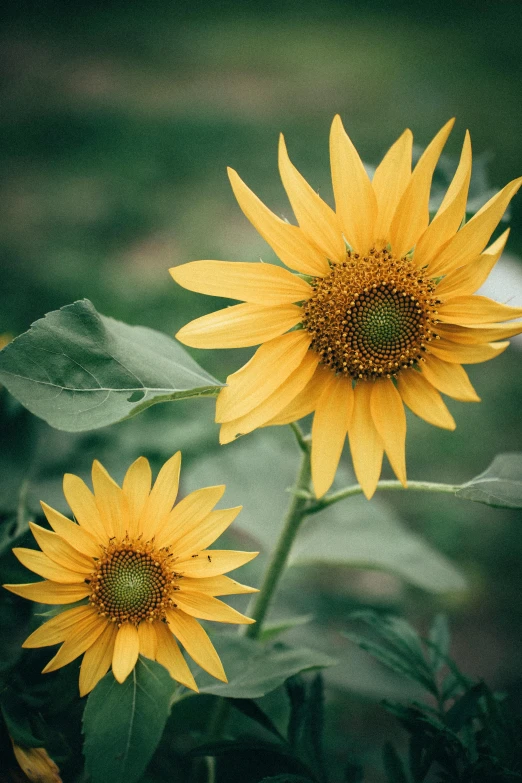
(381, 312)
(140, 568)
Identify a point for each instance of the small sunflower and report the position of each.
(141, 568)
(381, 311)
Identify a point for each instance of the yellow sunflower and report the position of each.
(141, 567)
(381, 311)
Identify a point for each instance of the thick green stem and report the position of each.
(356, 489)
(295, 514)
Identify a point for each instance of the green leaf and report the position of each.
(123, 724)
(254, 712)
(80, 370)
(393, 765)
(369, 535)
(17, 716)
(254, 669)
(500, 485)
(440, 639)
(272, 630)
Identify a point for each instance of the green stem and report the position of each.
(356, 489)
(294, 516)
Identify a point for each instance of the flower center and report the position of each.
(131, 583)
(371, 317)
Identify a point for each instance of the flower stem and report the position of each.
(294, 516)
(356, 489)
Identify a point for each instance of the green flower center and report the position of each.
(371, 317)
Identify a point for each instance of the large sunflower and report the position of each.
(381, 311)
(141, 569)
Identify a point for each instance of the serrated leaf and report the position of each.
(500, 485)
(254, 669)
(369, 535)
(80, 370)
(123, 724)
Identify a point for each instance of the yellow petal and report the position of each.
(316, 219)
(469, 278)
(464, 310)
(83, 505)
(50, 592)
(240, 326)
(470, 335)
(169, 655)
(274, 404)
(474, 236)
(212, 562)
(268, 369)
(71, 532)
(126, 651)
(78, 640)
(112, 504)
(97, 659)
(365, 442)
(215, 585)
(206, 607)
(412, 215)
(162, 497)
(288, 242)
(188, 513)
(136, 486)
(42, 565)
(306, 400)
(451, 212)
(200, 533)
(466, 354)
(258, 283)
(60, 551)
(450, 379)
(390, 422)
(329, 429)
(389, 183)
(355, 201)
(58, 628)
(148, 639)
(196, 642)
(425, 401)
(36, 764)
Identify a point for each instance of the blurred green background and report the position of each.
(118, 121)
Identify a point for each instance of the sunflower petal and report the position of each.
(450, 379)
(412, 214)
(196, 642)
(58, 628)
(425, 401)
(170, 656)
(355, 200)
(330, 425)
(42, 565)
(136, 487)
(60, 551)
(71, 532)
(148, 639)
(162, 497)
(390, 181)
(188, 513)
(316, 219)
(469, 278)
(390, 422)
(126, 651)
(365, 442)
(112, 504)
(305, 402)
(50, 592)
(466, 354)
(84, 635)
(215, 585)
(451, 212)
(274, 404)
(268, 369)
(473, 237)
(288, 242)
(256, 283)
(472, 334)
(212, 562)
(83, 505)
(240, 326)
(464, 310)
(97, 659)
(200, 533)
(206, 607)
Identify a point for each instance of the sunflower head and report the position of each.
(137, 568)
(382, 312)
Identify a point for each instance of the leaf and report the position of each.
(440, 639)
(17, 716)
(500, 485)
(305, 727)
(369, 535)
(254, 669)
(123, 724)
(80, 370)
(254, 712)
(272, 630)
(393, 765)
(286, 778)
